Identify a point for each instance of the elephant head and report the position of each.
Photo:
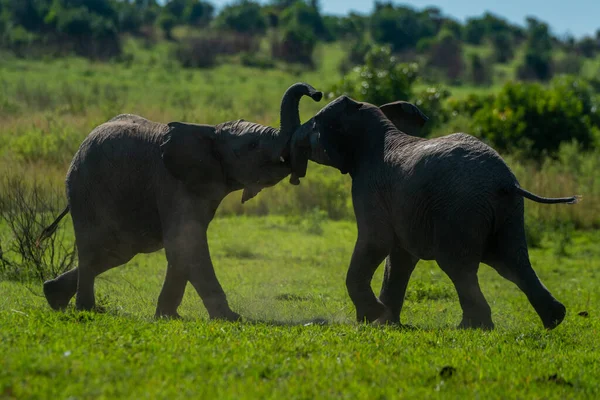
(333, 136)
(239, 154)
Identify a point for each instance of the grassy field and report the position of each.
(299, 338)
(284, 274)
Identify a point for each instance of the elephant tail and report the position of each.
(547, 200)
(49, 231)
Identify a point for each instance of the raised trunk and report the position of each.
(289, 115)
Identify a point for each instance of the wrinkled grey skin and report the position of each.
(136, 186)
(450, 199)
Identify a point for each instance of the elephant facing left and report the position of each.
(136, 186)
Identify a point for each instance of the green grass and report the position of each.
(274, 269)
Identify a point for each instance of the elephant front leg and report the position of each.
(398, 268)
(188, 251)
(366, 258)
(172, 292)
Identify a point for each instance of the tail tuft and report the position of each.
(49, 231)
(576, 199)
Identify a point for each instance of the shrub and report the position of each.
(357, 52)
(380, 80)
(480, 71)
(538, 52)
(502, 44)
(244, 16)
(400, 26)
(535, 120)
(295, 45)
(26, 209)
(445, 54)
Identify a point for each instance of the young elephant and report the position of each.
(450, 199)
(136, 186)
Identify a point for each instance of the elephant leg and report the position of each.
(399, 266)
(193, 259)
(172, 293)
(94, 259)
(510, 259)
(60, 291)
(367, 256)
(476, 310)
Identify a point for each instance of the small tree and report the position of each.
(446, 54)
(479, 70)
(502, 44)
(538, 52)
(244, 16)
(295, 45)
(167, 22)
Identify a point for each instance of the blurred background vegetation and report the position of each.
(69, 65)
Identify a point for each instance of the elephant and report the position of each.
(137, 186)
(451, 199)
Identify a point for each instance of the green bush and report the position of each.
(295, 45)
(400, 26)
(380, 80)
(445, 54)
(244, 16)
(534, 120)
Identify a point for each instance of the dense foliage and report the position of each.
(294, 27)
(534, 120)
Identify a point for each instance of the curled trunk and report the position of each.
(289, 115)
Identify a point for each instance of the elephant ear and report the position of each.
(336, 141)
(406, 116)
(188, 152)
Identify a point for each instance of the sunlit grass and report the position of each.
(275, 271)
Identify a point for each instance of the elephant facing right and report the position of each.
(450, 199)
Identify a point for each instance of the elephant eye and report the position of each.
(253, 145)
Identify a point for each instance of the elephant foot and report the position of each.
(472, 323)
(167, 315)
(228, 316)
(372, 313)
(387, 318)
(554, 316)
(94, 309)
(55, 295)
(218, 308)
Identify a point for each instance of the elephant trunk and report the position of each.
(306, 145)
(289, 114)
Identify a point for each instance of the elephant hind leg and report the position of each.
(59, 291)
(476, 310)
(91, 264)
(510, 259)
